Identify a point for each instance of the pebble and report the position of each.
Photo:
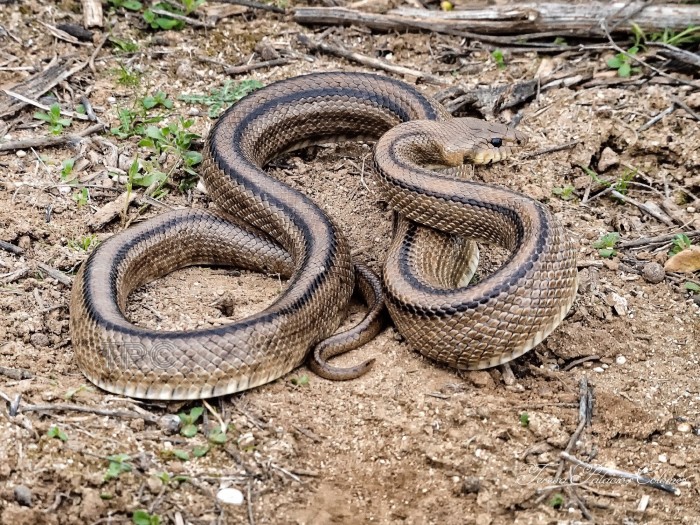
(684, 428)
(21, 153)
(663, 458)
(620, 359)
(23, 496)
(230, 496)
(653, 272)
(193, 112)
(691, 209)
(39, 340)
(112, 100)
(599, 369)
(169, 424)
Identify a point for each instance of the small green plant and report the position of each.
(84, 243)
(142, 517)
(200, 450)
(54, 119)
(157, 21)
(565, 193)
(302, 380)
(131, 5)
(133, 123)
(606, 245)
(622, 183)
(557, 501)
(159, 98)
(67, 169)
(524, 419)
(192, 5)
(189, 421)
(559, 41)
(118, 464)
(125, 46)
(127, 77)
(623, 63)
(81, 197)
(217, 435)
(176, 138)
(224, 97)
(593, 175)
(182, 455)
(71, 393)
(679, 243)
(498, 57)
(106, 496)
(55, 432)
(166, 478)
(689, 35)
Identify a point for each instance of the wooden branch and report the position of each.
(51, 140)
(254, 5)
(238, 70)
(510, 18)
(367, 61)
(92, 13)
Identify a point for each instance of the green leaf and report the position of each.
(148, 102)
(200, 450)
(43, 116)
(188, 430)
(132, 5)
(607, 253)
(55, 432)
(181, 454)
(192, 158)
(155, 133)
(624, 70)
(217, 436)
(608, 240)
(142, 517)
(152, 177)
(615, 62)
(691, 286)
(557, 501)
(524, 419)
(302, 380)
(117, 465)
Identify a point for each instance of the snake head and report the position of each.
(480, 142)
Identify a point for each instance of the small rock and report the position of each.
(246, 440)
(608, 159)
(154, 484)
(23, 496)
(663, 458)
(471, 485)
(112, 100)
(620, 359)
(184, 70)
(677, 461)
(653, 272)
(193, 112)
(599, 369)
(618, 303)
(21, 153)
(39, 340)
(230, 496)
(684, 427)
(480, 379)
(687, 261)
(169, 424)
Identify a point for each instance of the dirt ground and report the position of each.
(410, 442)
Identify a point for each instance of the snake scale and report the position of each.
(265, 225)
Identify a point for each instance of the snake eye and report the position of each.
(496, 142)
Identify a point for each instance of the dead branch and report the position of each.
(51, 140)
(508, 18)
(254, 5)
(336, 50)
(239, 70)
(92, 13)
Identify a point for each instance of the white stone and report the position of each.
(684, 427)
(599, 369)
(21, 153)
(230, 496)
(620, 359)
(663, 458)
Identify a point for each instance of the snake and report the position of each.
(258, 222)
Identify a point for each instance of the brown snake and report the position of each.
(271, 227)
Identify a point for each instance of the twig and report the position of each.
(577, 362)
(51, 140)
(653, 120)
(92, 13)
(9, 247)
(615, 473)
(183, 18)
(56, 274)
(39, 105)
(15, 373)
(639, 61)
(367, 61)
(676, 53)
(249, 498)
(91, 60)
(660, 239)
(685, 107)
(67, 407)
(254, 5)
(551, 149)
(237, 70)
(646, 209)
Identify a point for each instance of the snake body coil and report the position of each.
(271, 227)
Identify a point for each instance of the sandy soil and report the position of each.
(410, 442)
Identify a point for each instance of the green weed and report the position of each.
(189, 421)
(224, 97)
(142, 517)
(127, 77)
(125, 46)
(54, 119)
(623, 63)
(55, 432)
(118, 464)
(680, 242)
(606, 245)
(565, 193)
(160, 21)
(498, 57)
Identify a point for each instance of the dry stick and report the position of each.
(237, 70)
(646, 209)
(56, 274)
(91, 60)
(685, 107)
(614, 473)
(551, 149)
(16, 373)
(368, 61)
(653, 120)
(254, 5)
(92, 13)
(660, 239)
(676, 53)
(249, 499)
(577, 362)
(48, 141)
(183, 18)
(39, 105)
(642, 62)
(9, 247)
(68, 407)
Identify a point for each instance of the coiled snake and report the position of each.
(266, 225)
